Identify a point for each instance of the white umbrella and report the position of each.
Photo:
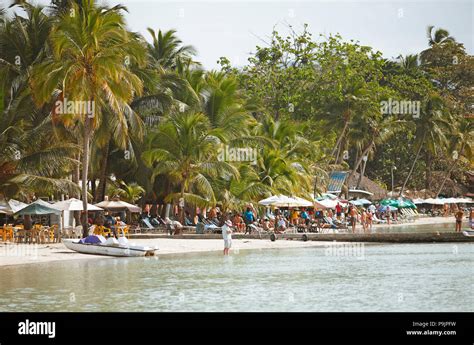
(118, 205)
(269, 201)
(329, 196)
(450, 200)
(360, 202)
(434, 201)
(418, 201)
(74, 204)
(326, 203)
(285, 201)
(465, 201)
(11, 206)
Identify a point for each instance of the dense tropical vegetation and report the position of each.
(160, 124)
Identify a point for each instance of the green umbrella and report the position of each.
(406, 203)
(403, 203)
(36, 208)
(389, 202)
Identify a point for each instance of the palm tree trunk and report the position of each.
(100, 193)
(450, 170)
(85, 167)
(412, 166)
(362, 172)
(76, 176)
(181, 212)
(428, 170)
(359, 161)
(337, 148)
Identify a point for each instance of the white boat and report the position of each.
(111, 247)
(468, 233)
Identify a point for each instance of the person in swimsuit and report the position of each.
(353, 217)
(459, 214)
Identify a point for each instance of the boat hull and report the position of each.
(108, 250)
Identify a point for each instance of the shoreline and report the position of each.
(26, 254)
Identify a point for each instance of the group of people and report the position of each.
(108, 221)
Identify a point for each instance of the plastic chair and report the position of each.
(52, 233)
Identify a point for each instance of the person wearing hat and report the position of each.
(227, 236)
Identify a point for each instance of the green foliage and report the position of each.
(305, 106)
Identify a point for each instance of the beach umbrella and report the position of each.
(285, 201)
(74, 204)
(328, 196)
(433, 201)
(418, 201)
(389, 202)
(118, 205)
(405, 203)
(45, 203)
(465, 201)
(300, 202)
(12, 206)
(325, 203)
(269, 201)
(360, 202)
(279, 201)
(37, 208)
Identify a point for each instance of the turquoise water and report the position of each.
(403, 277)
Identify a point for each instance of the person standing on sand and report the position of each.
(353, 217)
(459, 214)
(471, 218)
(227, 236)
(338, 211)
(369, 220)
(363, 220)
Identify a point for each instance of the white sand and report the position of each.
(13, 254)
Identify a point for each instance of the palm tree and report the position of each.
(408, 62)
(436, 38)
(32, 160)
(430, 129)
(91, 49)
(130, 192)
(184, 148)
(366, 133)
(167, 49)
(461, 142)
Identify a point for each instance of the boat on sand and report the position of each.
(98, 245)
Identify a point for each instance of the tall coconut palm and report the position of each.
(408, 62)
(129, 192)
(430, 131)
(461, 142)
(184, 148)
(91, 53)
(31, 161)
(167, 49)
(436, 38)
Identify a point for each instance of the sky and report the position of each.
(232, 28)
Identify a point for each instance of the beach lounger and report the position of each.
(378, 221)
(146, 221)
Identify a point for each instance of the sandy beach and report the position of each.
(18, 254)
